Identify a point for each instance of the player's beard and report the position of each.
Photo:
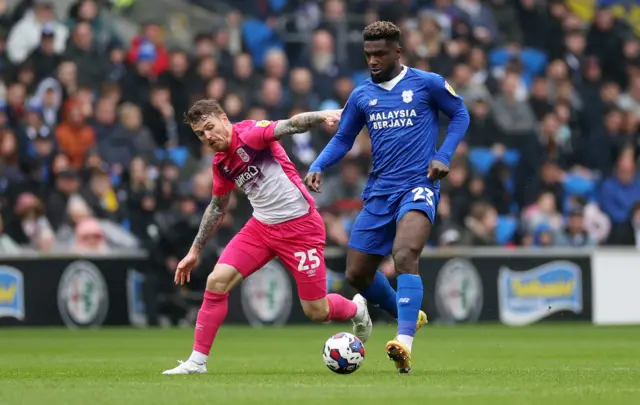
(383, 76)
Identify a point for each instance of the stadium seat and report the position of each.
(576, 185)
(506, 229)
(359, 77)
(277, 5)
(483, 159)
(259, 38)
(511, 157)
(178, 155)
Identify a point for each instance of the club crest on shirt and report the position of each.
(449, 88)
(263, 123)
(243, 155)
(407, 96)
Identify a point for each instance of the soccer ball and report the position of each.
(343, 353)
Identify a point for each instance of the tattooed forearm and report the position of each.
(210, 220)
(297, 124)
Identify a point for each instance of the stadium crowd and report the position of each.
(94, 154)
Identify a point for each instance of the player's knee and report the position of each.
(406, 260)
(357, 279)
(223, 279)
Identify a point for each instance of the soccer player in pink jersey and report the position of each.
(285, 223)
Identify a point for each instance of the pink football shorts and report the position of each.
(298, 243)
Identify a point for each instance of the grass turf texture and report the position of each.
(489, 364)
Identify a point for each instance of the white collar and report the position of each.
(389, 85)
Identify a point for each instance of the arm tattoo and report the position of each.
(297, 124)
(211, 220)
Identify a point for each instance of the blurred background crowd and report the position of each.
(94, 155)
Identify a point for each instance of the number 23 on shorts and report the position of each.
(423, 194)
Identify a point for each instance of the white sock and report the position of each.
(406, 340)
(198, 357)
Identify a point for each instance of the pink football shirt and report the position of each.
(256, 163)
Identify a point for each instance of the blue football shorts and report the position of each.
(374, 229)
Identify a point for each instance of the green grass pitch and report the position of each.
(486, 364)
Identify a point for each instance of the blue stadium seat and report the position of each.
(506, 229)
(259, 38)
(178, 155)
(277, 5)
(359, 77)
(578, 185)
(481, 159)
(511, 157)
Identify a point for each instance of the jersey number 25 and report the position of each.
(308, 260)
(423, 193)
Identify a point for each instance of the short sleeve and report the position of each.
(258, 134)
(221, 185)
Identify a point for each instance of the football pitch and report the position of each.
(488, 364)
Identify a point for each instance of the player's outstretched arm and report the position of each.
(302, 122)
(351, 123)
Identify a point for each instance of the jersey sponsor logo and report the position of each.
(392, 119)
(243, 154)
(525, 297)
(449, 88)
(373, 102)
(263, 123)
(458, 292)
(83, 299)
(244, 178)
(407, 96)
(11, 293)
(267, 296)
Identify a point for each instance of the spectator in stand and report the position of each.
(574, 233)
(555, 100)
(25, 36)
(513, 117)
(151, 33)
(91, 63)
(622, 190)
(74, 136)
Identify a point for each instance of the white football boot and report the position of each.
(187, 367)
(362, 325)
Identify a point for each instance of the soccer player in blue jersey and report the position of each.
(399, 105)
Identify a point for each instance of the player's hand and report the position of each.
(186, 265)
(332, 117)
(313, 181)
(437, 170)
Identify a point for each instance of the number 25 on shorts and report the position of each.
(308, 260)
(423, 193)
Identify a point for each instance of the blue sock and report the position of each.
(409, 302)
(381, 294)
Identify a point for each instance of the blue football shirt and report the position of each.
(402, 118)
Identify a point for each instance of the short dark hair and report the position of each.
(381, 30)
(201, 110)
